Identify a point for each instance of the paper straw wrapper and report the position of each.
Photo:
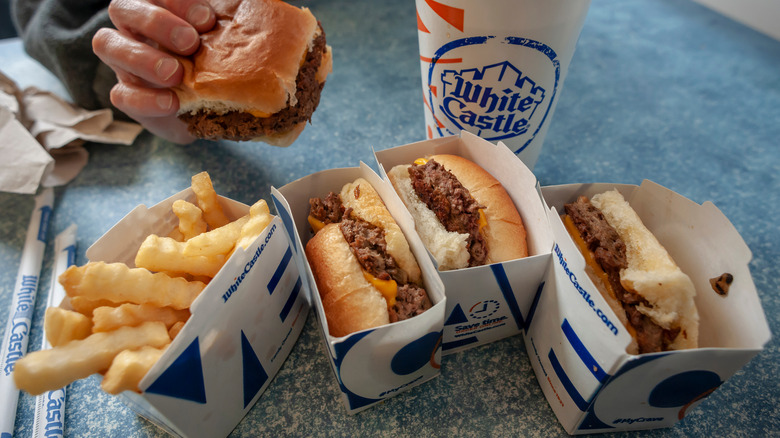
(49, 420)
(17, 332)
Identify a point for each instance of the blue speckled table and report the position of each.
(659, 89)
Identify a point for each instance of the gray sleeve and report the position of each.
(58, 34)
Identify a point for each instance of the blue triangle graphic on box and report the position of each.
(254, 373)
(184, 378)
(457, 316)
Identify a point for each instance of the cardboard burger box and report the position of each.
(577, 347)
(374, 364)
(575, 342)
(242, 326)
(487, 303)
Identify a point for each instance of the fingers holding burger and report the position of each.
(242, 70)
(257, 75)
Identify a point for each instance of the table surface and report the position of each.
(664, 90)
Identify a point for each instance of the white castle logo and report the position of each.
(495, 103)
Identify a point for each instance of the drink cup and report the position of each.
(496, 68)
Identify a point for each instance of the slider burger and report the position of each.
(257, 75)
(365, 271)
(648, 292)
(462, 213)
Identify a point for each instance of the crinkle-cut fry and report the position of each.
(45, 370)
(128, 368)
(62, 326)
(217, 241)
(86, 306)
(191, 222)
(208, 201)
(164, 254)
(121, 284)
(259, 218)
(205, 279)
(176, 235)
(105, 319)
(173, 274)
(175, 329)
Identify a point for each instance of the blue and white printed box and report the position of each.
(374, 364)
(242, 328)
(485, 303)
(577, 346)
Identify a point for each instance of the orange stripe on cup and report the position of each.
(442, 60)
(420, 25)
(451, 15)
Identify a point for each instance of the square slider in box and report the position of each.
(492, 301)
(379, 362)
(578, 346)
(242, 326)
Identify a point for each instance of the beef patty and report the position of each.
(609, 250)
(452, 203)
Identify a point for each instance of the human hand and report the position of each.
(144, 72)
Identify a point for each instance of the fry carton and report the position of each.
(491, 302)
(243, 326)
(373, 364)
(577, 346)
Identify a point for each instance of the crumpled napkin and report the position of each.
(42, 137)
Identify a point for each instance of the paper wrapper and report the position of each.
(373, 364)
(243, 326)
(577, 346)
(43, 136)
(490, 302)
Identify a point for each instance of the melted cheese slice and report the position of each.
(388, 288)
(259, 114)
(315, 224)
(482, 219)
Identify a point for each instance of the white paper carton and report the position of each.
(577, 345)
(243, 326)
(486, 303)
(374, 364)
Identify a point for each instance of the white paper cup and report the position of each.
(496, 68)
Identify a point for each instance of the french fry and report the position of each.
(86, 306)
(128, 368)
(165, 254)
(208, 201)
(259, 218)
(62, 326)
(123, 318)
(217, 241)
(45, 370)
(191, 222)
(176, 235)
(189, 277)
(105, 319)
(121, 284)
(175, 329)
(205, 279)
